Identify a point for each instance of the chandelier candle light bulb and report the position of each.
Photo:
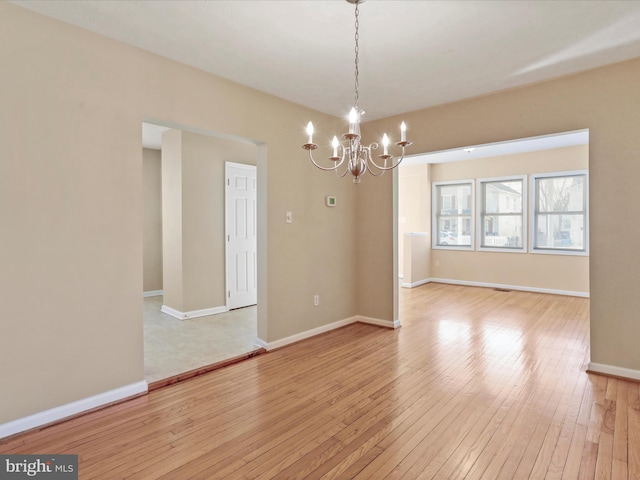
(358, 156)
(385, 144)
(310, 132)
(353, 120)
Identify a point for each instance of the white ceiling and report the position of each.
(413, 54)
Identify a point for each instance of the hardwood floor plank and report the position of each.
(597, 409)
(604, 458)
(500, 440)
(571, 468)
(428, 458)
(588, 462)
(462, 459)
(537, 454)
(515, 439)
(477, 384)
(633, 431)
(406, 433)
(353, 464)
(557, 443)
(620, 433)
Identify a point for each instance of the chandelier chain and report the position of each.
(357, 51)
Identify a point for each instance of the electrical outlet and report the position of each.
(316, 300)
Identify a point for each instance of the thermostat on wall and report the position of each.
(331, 201)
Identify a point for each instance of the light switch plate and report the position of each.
(331, 201)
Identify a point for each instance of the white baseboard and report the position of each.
(258, 342)
(71, 409)
(613, 370)
(193, 313)
(376, 321)
(509, 287)
(153, 293)
(304, 335)
(415, 284)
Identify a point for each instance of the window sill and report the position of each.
(572, 253)
(465, 248)
(502, 250)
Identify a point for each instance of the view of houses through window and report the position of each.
(501, 203)
(560, 211)
(558, 207)
(454, 213)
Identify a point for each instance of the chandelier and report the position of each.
(357, 156)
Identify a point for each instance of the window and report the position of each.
(555, 219)
(560, 222)
(453, 214)
(501, 222)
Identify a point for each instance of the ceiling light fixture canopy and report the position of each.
(358, 156)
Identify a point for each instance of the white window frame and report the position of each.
(534, 214)
(435, 229)
(480, 208)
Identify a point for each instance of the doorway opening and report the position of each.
(190, 327)
(509, 215)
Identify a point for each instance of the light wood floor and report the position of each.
(476, 384)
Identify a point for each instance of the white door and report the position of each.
(240, 199)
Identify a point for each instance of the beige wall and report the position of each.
(152, 220)
(553, 272)
(542, 161)
(71, 198)
(203, 179)
(414, 206)
(172, 210)
(604, 100)
(416, 258)
(377, 244)
(200, 220)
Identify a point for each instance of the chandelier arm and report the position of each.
(346, 170)
(376, 174)
(384, 169)
(365, 165)
(369, 159)
(372, 146)
(327, 169)
(345, 154)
